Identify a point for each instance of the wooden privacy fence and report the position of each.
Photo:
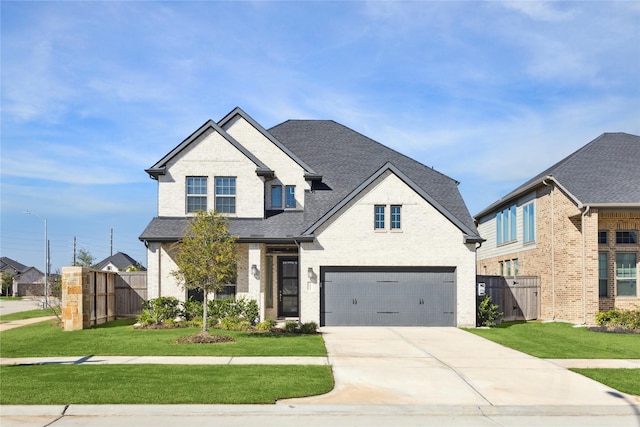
(91, 297)
(518, 297)
(131, 290)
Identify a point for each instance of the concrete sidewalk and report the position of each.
(4, 326)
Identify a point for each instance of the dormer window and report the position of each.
(290, 194)
(276, 196)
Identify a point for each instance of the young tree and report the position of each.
(206, 257)
(7, 282)
(85, 259)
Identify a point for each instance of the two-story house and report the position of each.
(575, 225)
(331, 226)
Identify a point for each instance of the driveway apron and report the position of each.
(447, 366)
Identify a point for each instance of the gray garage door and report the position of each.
(387, 297)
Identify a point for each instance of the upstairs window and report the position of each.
(395, 217)
(290, 194)
(506, 225)
(226, 195)
(196, 193)
(602, 237)
(276, 196)
(529, 222)
(627, 237)
(378, 222)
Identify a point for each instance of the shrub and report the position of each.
(309, 328)
(191, 310)
(488, 312)
(291, 326)
(266, 325)
(624, 319)
(159, 310)
(243, 308)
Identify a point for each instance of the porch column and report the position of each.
(254, 281)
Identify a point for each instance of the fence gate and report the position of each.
(131, 290)
(518, 297)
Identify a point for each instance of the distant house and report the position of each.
(119, 262)
(27, 281)
(331, 226)
(575, 225)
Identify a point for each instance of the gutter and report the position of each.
(553, 253)
(584, 268)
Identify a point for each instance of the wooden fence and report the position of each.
(91, 297)
(131, 290)
(518, 297)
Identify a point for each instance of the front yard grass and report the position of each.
(624, 380)
(30, 314)
(562, 341)
(160, 384)
(119, 338)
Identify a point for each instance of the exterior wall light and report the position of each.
(254, 270)
(310, 273)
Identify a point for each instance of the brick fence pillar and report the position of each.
(76, 308)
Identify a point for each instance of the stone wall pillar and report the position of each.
(76, 310)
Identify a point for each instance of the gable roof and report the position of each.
(160, 166)
(310, 174)
(605, 172)
(346, 159)
(8, 262)
(120, 260)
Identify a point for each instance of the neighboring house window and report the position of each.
(626, 269)
(226, 195)
(529, 222)
(290, 194)
(276, 196)
(603, 274)
(378, 222)
(602, 237)
(395, 217)
(196, 193)
(507, 268)
(627, 237)
(501, 268)
(506, 225)
(516, 267)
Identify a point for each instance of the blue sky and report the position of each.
(489, 93)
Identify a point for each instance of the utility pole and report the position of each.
(111, 245)
(74, 250)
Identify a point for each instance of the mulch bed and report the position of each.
(614, 330)
(204, 338)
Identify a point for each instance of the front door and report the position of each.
(288, 287)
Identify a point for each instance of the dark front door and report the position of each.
(288, 286)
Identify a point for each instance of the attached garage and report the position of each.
(388, 296)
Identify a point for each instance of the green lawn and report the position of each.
(11, 298)
(562, 341)
(30, 314)
(624, 380)
(160, 384)
(119, 338)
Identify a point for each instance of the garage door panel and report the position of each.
(388, 298)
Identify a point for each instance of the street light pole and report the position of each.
(46, 257)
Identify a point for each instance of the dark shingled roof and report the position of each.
(345, 159)
(606, 171)
(120, 260)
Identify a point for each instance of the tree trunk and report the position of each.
(205, 321)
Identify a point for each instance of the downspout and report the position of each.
(553, 257)
(584, 268)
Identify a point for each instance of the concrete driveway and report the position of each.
(447, 366)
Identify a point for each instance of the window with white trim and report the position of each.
(226, 194)
(290, 196)
(276, 196)
(506, 225)
(529, 223)
(378, 217)
(626, 274)
(395, 217)
(196, 193)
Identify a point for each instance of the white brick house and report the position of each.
(331, 226)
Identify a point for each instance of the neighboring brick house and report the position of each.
(331, 226)
(119, 262)
(576, 226)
